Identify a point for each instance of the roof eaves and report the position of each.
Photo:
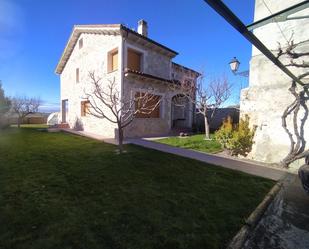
(150, 76)
(148, 39)
(186, 68)
(88, 27)
(69, 46)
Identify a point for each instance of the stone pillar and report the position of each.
(267, 95)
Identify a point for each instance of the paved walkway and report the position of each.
(92, 135)
(247, 167)
(285, 224)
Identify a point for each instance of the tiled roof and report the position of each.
(149, 76)
(148, 39)
(186, 68)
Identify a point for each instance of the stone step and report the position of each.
(63, 126)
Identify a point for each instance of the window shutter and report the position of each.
(115, 61)
(134, 60)
(151, 103)
(82, 106)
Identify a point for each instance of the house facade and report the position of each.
(135, 63)
(267, 95)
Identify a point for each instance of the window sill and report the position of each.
(112, 71)
(148, 118)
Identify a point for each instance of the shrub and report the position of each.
(225, 133)
(238, 141)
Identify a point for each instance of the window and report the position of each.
(112, 61)
(80, 43)
(85, 106)
(145, 110)
(134, 60)
(77, 75)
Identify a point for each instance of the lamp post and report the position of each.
(234, 64)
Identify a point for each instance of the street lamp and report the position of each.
(234, 64)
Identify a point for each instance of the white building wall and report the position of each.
(267, 95)
(91, 57)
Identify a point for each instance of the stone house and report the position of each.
(135, 63)
(267, 95)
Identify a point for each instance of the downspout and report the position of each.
(124, 35)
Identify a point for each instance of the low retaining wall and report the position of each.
(241, 237)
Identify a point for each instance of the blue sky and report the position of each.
(33, 34)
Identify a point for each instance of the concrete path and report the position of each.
(93, 136)
(285, 224)
(247, 167)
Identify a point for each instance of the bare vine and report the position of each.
(301, 95)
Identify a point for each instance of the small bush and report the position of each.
(238, 141)
(225, 133)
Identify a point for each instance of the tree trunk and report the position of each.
(120, 139)
(18, 122)
(207, 135)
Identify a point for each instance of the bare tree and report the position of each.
(5, 102)
(296, 60)
(23, 106)
(107, 103)
(206, 99)
(5, 105)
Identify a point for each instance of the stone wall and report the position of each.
(149, 126)
(153, 62)
(159, 65)
(91, 57)
(267, 95)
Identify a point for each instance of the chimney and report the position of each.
(142, 28)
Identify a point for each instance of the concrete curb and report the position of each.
(240, 238)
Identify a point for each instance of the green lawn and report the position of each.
(31, 126)
(64, 191)
(194, 142)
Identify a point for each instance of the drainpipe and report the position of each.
(124, 35)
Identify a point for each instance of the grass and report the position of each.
(38, 126)
(194, 142)
(64, 191)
